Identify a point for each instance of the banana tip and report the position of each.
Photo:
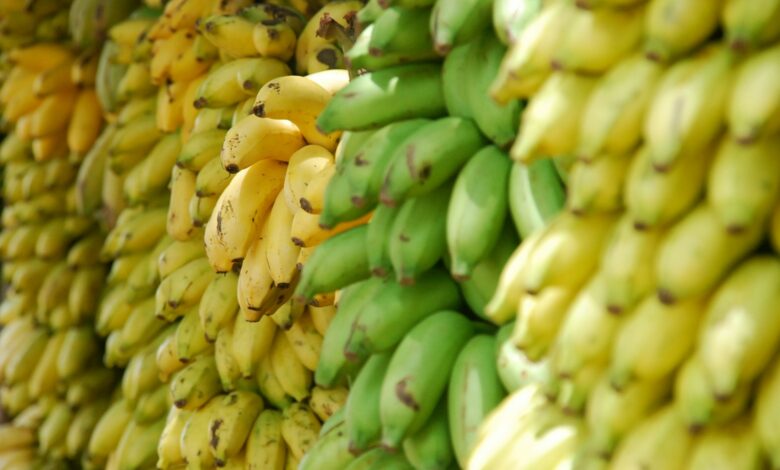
(666, 297)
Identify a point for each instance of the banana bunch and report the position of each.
(25, 22)
(636, 328)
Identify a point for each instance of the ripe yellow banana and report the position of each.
(231, 422)
(306, 169)
(300, 429)
(241, 211)
(326, 402)
(190, 338)
(82, 426)
(266, 449)
(277, 40)
(227, 367)
(182, 289)
(179, 223)
(253, 139)
(539, 318)
(231, 34)
(754, 107)
(673, 29)
(196, 384)
(293, 376)
(194, 441)
(170, 101)
(299, 100)
(252, 341)
(230, 83)
(212, 179)
(168, 449)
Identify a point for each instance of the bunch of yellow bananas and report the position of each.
(645, 315)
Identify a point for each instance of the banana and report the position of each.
(673, 30)
(587, 332)
(361, 411)
(716, 251)
(660, 441)
(254, 139)
(612, 120)
(370, 107)
(194, 438)
(305, 341)
(108, 431)
(269, 385)
(627, 264)
(231, 82)
(281, 253)
(44, 378)
(430, 446)
(487, 210)
(418, 165)
(251, 342)
(333, 363)
(189, 337)
(76, 352)
(340, 261)
(550, 124)
(750, 26)
(256, 289)
(151, 406)
(738, 206)
(141, 232)
(141, 375)
(414, 248)
(365, 171)
(327, 403)
(207, 119)
(83, 388)
(330, 451)
(168, 449)
(474, 383)
(82, 302)
(774, 229)
(695, 401)
(300, 428)
(302, 168)
(140, 323)
(212, 179)
(21, 364)
(179, 224)
(454, 23)
(409, 391)
(514, 368)
(749, 356)
(85, 124)
(527, 63)
(299, 100)
(749, 117)
(200, 149)
(597, 186)
(231, 34)
(138, 446)
(195, 384)
(511, 19)
(734, 445)
(265, 445)
(183, 288)
(377, 241)
(178, 254)
(54, 429)
(227, 367)
(89, 183)
(293, 376)
(766, 408)
(52, 241)
(151, 175)
(232, 419)
(218, 305)
(241, 212)
(704, 78)
(312, 199)
(165, 358)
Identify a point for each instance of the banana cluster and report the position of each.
(640, 324)
(24, 22)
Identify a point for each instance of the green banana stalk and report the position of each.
(333, 364)
(474, 391)
(418, 373)
(377, 241)
(338, 262)
(430, 447)
(457, 21)
(361, 411)
(477, 211)
(416, 247)
(429, 157)
(386, 318)
(366, 170)
(367, 101)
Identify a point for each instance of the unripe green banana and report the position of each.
(418, 374)
(456, 22)
(476, 204)
(333, 363)
(378, 242)
(429, 157)
(473, 392)
(337, 204)
(430, 446)
(400, 30)
(196, 384)
(371, 106)
(456, 61)
(361, 412)
(338, 262)
(380, 458)
(382, 324)
(536, 195)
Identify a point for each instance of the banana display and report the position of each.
(389, 234)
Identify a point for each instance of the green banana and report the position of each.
(476, 204)
(338, 262)
(330, 452)
(367, 101)
(478, 289)
(377, 241)
(429, 157)
(430, 447)
(536, 195)
(366, 170)
(109, 75)
(455, 63)
(457, 21)
(361, 411)
(400, 30)
(386, 318)
(337, 206)
(359, 55)
(333, 364)
(416, 247)
(418, 373)
(474, 391)
(499, 122)
(379, 458)
(369, 13)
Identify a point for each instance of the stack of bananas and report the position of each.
(24, 22)
(53, 385)
(645, 317)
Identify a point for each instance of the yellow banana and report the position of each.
(177, 254)
(255, 288)
(140, 375)
(673, 29)
(597, 186)
(54, 430)
(293, 376)
(254, 139)
(308, 173)
(326, 402)
(321, 317)
(53, 80)
(141, 323)
(44, 378)
(136, 108)
(179, 223)
(200, 209)
(749, 25)
(266, 449)
(168, 449)
(300, 429)
(166, 51)
(539, 318)
(308, 40)
(299, 100)
(305, 341)
(251, 342)
(78, 349)
(190, 338)
(219, 305)
(137, 234)
(40, 56)
(189, 65)
(50, 146)
(754, 107)
(195, 384)
(82, 426)
(200, 149)
(21, 364)
(53, 113)
(138, 446)
(108, 431)
(167, 361)
(151, 175)
(128, 31)
(170, 101)
(182, 289)
(14, 437)
(151, 406)
(241, 211)
(82, 301)
(231, 422)
(231, 82)
(212, 179)
(84, 69)
(231, 34)
(194, 441)
(277, 40)
(139, 134)
(227, 367)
